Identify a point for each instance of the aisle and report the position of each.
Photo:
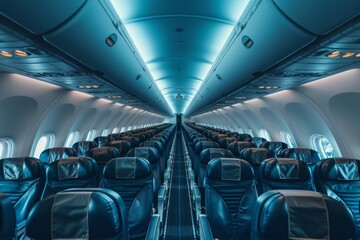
(179, 222)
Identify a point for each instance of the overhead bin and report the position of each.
(320, 16)
(274, 37)
(84, 38)
(39, 16)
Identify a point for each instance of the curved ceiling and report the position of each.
(178, 43)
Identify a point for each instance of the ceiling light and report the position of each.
(88, 86)
(240, 97)
(261, 87)
(6, 54)
(114, 97)
(333, 54)
(357, 55)
(348, 54)
(21, 53)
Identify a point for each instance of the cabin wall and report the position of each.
(328, 107)
(30, 108)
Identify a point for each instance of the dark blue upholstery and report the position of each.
(243, 137)
(299, 214)
(121, 145)
(52, 154)
(310, 156)
(62, 216)
(74, 172)
(22, 180)
(102, 155)
(339, 178)
(276, 147)
(226, 141)
(257, 141)
(230, 195)
(237, 147)
(7, 218)
(101, 141)
(82, 147)
(285, 173)
(132, 178)
(134, 141)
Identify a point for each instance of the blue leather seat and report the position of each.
(101, 141)
(52, 154)
(339, 178)
(102, 155)
(226, 141)
(121, 145)
(299, 214)
(257, 141)
(7, 218)
(230, 195)
(275, 146)
(90, 213)
(243, 137)
(150, 154)
(155, 144)
(141, 137)
(134, 141)
(200, 146)
(237, 147)
(285, 173)
(116, 136)
(82, 147)
(195, 154)
(217, 137)
(74, 172)
(132, 178)
(22, 180)
(206, 156)
(310, 156)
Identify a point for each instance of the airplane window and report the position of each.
(91, 135)
(251, 132)
(105, 132)
(265, 134)
(115, 130)
(123, 129)
(129, 128)
(46, 141)
(286, 137)
(6, 147)
(72, 138)
(240, 130)
(323, 146)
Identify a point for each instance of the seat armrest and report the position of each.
(197, 201)
(204, 228)
(161, 202)
(153, 231)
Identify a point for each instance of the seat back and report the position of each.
(275, 146)
(115, 136)
(139, 136)
(200, 146)
(132, 178)
(91, 213)
(257, 141)
(310, 156)
(243, 136)
(237, 147)
(74, 172)
(217, 137)
(7, 218)
(83, 146)
(206, 156)
(101, 141)
(122, 146)
(230, 196)
(255, 156)
(134, 141)
(226, 141)
(339, 178)
(155, 144)
(102, 155)
(299, 214)
(285, 173)
(52, 154)
(22, 180)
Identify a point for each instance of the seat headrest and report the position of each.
(256, 155)
(204, 145)
(139, 136)
(72, 168)
(101, 141)
(237, 147)
(103, 154)
(154, 144)
(226, 141)
(20, 169)
(229, 169)
(79, 214)
(217, 137)
(149, 153)
(275, 146)
(199, 139)
(127, 168)
(301, 215)
(339, 169)
(208, 154)
(122, 146)
(243, 136)
(284, 169)
(257, 141)
(52, 154)
(82, 147)
(307, 155)
(115, 136)
(134, 141)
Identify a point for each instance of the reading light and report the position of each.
(21, 53)
(240, 97)
(6, 54)
(261, 87)
(333, 54)
(88, 86)
(348, 54)
(357, 55)
(114, 97)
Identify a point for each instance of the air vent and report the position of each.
(58, 74)
(179, 96)
(297, 74)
